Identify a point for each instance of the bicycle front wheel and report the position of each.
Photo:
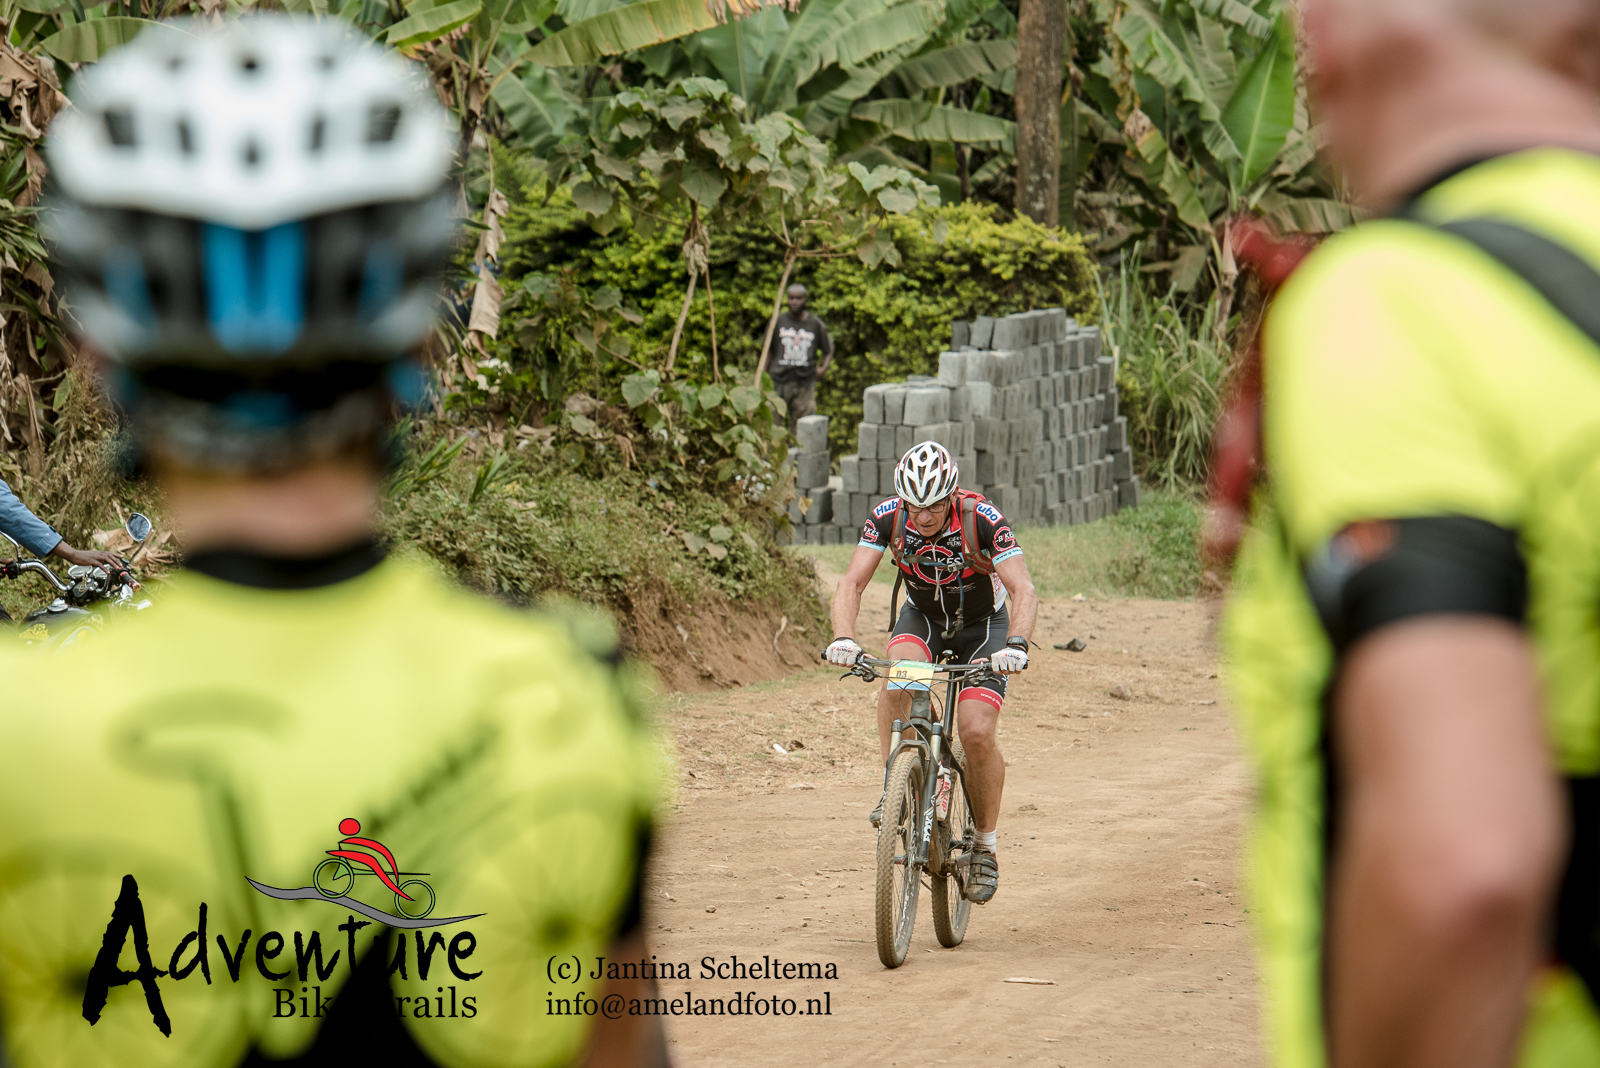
(954, 837)
(898, 881)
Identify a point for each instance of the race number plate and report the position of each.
(912, 671)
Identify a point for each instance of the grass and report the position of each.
(1149, 551)
(1171, 374)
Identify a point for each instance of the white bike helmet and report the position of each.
(251, 221)
(925, 475)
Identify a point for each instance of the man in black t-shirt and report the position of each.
(792, 356)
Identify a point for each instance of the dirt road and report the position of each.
(1117, 864)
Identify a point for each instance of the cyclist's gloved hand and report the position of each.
(1009, 661)
(843, 652)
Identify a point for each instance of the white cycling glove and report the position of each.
(1009, 660)
(843, 652)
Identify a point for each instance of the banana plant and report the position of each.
(1202, 104)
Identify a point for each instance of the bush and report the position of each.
(956, 262)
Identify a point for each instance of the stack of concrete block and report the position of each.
(815, 489)
(1027, 404)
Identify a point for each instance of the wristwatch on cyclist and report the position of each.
(1016, 641)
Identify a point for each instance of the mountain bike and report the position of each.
(927, 824)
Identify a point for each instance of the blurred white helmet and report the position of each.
(926, 475)
(261, 121)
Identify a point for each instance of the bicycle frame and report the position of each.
(931, 732)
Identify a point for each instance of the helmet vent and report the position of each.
(319, 130)
(119, 127)
(249, 64)
(252, 153)
(324, 62)
(185, 137)
(382, 122)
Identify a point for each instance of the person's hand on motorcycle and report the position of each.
(87, 557)
(844, 652)
(1010, 660)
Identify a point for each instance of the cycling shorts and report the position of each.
(917, 637)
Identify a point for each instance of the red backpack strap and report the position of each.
(977, 559)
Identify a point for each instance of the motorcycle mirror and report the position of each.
(138, 527)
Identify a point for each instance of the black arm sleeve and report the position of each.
(1378, 572)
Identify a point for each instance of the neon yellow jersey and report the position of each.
(180, 855)
(1407, 374)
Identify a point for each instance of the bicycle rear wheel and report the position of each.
(950, 909)
(898, 882)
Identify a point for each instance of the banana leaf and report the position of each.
(87, 41)
(1261, 112)
(623, 29)
(916, 121)
(956, 64)
(432, 23)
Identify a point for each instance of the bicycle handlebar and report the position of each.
(870, 669)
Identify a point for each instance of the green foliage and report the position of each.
(955, 262)
(1170, 376)
(619, 539)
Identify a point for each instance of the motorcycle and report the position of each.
(83, 601)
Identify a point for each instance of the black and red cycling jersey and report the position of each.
(936, 592)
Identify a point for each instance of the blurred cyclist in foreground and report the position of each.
(1415, 641)
(251, 222)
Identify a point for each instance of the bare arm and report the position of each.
(1020, 592)
(847, 598)
(1450, 844)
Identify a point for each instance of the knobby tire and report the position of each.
(898, 884)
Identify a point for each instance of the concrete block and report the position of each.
(1052, 492)
(1032, 427)
(1128, 493)
(994, 468)
(967, 474)
(980, 399)
(960, 400)
(1061, 456)
(872, 403)
(904, 438)
(1006, 334)
(850, 473)
(1091, 337)
(946, 434)
(952, 368)
(866, 476)
(836, 483)
(1058, 387)
(960, 334)
(821, 510)
(886, 442)
(894, 402)
(980, 366)
(812, 433)
(1008, 500)
(1122, 465)
(1118, 438)
(925, 405)
(964, 432)
(1113, 399)
(990, 435)
(1027, 468)
(830, 535)
(1030, 501)
(860, 509)
(886, 476)
(1030, 394)
(1036, 367)
(982, 332)
(867, 441)
(813, 469)
(1108, 375)
(1006, 365)
(796, 515)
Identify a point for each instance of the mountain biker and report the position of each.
(1412, 641)
(34, 534)
(251, 223)
(922, 528)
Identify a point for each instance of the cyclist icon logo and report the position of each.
(334, 880)
(335, 877)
